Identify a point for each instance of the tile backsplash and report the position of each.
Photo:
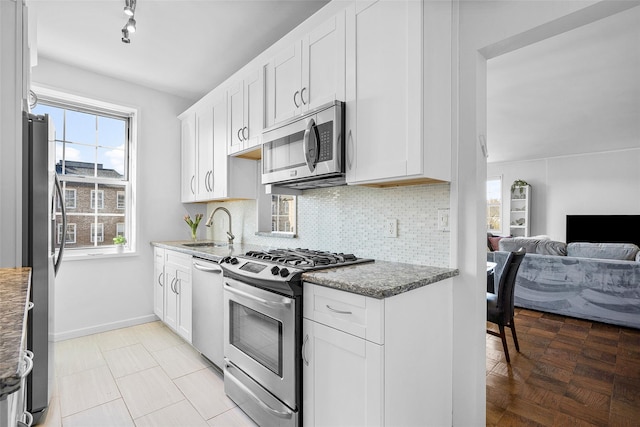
(352, 219)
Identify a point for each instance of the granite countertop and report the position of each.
(379, 279)
(14, 298)
(212, 253)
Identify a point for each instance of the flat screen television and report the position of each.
(603, 228)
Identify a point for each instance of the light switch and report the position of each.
(443, 219)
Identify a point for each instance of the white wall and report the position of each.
(598, 184)
(486, 28)
(92, 295)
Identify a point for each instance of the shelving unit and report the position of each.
(519, 217)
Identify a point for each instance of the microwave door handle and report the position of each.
(310, 148)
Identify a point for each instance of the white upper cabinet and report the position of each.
(398, 94)
(188, 158)
(208, 173)
(246, 112)
(308, 73)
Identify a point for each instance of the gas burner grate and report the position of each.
(303, 258)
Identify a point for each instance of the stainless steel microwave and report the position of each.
(306, 151)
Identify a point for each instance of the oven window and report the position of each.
(257, 335)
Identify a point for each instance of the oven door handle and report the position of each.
(244, 388)
(283, 302)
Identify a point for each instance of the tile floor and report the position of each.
(143, 375)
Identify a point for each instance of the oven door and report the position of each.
(259, 337)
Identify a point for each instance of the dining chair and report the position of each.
(500, 304)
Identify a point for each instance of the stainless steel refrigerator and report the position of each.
(40, 187)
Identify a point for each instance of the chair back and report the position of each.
(507, 284)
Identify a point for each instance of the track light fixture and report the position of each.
(125, 35)
(130, 26)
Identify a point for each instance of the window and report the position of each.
(70, 199)
(71, 234)
(97, 232)
(97, 199)
(120, 203)
(95, 147)
(494, 204)
(283, 213)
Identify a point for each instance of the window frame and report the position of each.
(500, 205)
(59, 233)
(96, 199)
(58, 99)
(290, 211)
(75, 196)
(97, 234)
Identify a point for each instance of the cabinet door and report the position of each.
(342, 378)
(236, 117)
(219, 177)
(158, 289)
(170, 298)
(285, 81)
(323, 64)
(253, 108)
(204, 144)
(188, 160)
(184, 301)
(384, 138)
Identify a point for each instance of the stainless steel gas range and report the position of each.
(263, 330)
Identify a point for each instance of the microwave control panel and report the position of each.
(325, 142)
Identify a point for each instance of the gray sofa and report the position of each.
(595, 281)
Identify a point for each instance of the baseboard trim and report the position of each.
(76, 333)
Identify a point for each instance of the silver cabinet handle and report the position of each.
(201, 267)
(245, 389)
(178, 282)
(211, 181)
(206, 181)
(246, 137)
(302, 95)
(304, 350)
(338, 311)
(283, 302)
(294, 99)
(193, 178)
(238, 133)
(173, 288)
(160, 281)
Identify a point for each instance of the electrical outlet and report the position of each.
(391, 228)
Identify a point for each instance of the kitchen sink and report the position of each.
(204, 245)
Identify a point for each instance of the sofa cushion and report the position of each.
(618, 251)
(551, 247)
(494, 242)
(512, 244)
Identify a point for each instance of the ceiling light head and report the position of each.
(125, 36)
(131, 25)
(130, 7)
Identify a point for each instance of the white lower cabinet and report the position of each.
(377, 362)
(178, 293)
(158, 282)
(342, 378)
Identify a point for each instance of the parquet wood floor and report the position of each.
(569, 372)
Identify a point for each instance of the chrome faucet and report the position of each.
(210, 221)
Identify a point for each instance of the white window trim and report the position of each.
(131, 225)
(75, 197)
(99, 234)
(124, 199)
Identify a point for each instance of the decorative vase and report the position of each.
(194, 231)
(119, 248)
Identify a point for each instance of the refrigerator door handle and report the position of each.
(63, 240)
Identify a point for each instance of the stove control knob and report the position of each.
(226, 259)
(234, 261)
(284, 272)
(275, 270)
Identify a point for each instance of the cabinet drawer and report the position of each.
(355, 314)
(179, 259)
(158, 255)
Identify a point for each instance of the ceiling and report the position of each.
(578, 92)
(183, 47)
